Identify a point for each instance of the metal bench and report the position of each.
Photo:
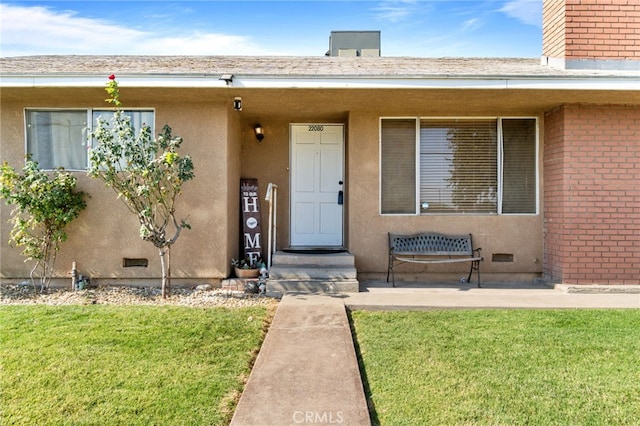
(431, 247)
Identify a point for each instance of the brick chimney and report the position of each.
(591, 34)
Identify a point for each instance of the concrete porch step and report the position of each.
(337, 259)
(281, 287)
(313, 273)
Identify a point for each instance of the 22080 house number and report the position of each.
(316, 128)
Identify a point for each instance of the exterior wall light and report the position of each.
(259, 132)
(237, 103)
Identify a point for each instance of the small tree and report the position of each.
(146, 173)
(44, 205)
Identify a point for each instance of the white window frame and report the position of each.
(89, 126)
(499, 160)
(27, 110)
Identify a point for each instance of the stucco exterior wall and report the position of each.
(366, 229)
(269, 163)
(592, 194)
(519, 235)
(106, 232)
(224, 148)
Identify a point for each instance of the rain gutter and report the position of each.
(629, 82)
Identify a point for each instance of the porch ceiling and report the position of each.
(415, 102)
(335, 104)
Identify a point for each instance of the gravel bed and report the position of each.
(122, 295)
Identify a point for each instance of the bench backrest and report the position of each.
(431, 243)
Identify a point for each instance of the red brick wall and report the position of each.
(591, 29)
(553, 28)
(592, 195)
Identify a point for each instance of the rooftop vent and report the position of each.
(354, 43)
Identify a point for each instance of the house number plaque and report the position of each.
(251, 233)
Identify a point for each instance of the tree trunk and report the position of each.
(164, 272)
(169, 270)
(165, 262)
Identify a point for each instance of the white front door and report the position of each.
(317, 165)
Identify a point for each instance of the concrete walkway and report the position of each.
(307, 370)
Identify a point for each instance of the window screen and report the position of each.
(398, 166)
(519, 166)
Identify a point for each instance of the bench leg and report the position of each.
(393, 277)
(474, 265)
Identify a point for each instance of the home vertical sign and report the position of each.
(251, 233)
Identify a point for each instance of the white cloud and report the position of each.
(526, 11)
(395, 11)
(39, 30)
(471, 24)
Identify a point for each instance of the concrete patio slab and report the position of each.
(380, 295)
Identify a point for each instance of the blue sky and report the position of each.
(427, 28)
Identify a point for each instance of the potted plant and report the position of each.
(247, 268)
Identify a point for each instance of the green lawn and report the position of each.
(125, 365)
(501, 367)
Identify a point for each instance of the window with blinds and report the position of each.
(480, 166)
(458, 166)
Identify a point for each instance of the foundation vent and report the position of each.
(132, 263)
(502, 257)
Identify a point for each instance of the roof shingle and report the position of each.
(271, 66)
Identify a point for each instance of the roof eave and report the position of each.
(626, 83)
